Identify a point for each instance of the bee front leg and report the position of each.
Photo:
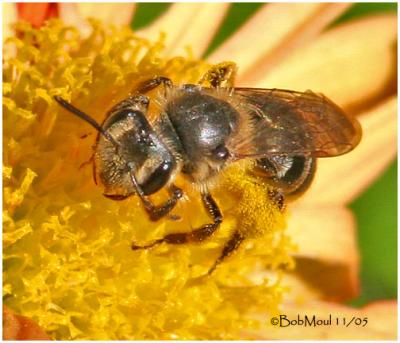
(194, 236)
(148, 85)
(156, 212)
(220, 75)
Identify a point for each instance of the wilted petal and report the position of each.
(342, 179)
(187, 25)
(349, 63)
(380, 322)
(16, 327)
(327, 260)
(273, 33)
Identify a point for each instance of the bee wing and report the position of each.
(289, 122)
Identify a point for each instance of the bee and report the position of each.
(200, 130)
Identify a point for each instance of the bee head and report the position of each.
(138, 150)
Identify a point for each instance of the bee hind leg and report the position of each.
(197, 235)
(278, 198)
(231, 246)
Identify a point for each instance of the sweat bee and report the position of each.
(200, 130)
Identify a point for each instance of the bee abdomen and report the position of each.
(292, 175)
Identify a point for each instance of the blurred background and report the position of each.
(376, 209)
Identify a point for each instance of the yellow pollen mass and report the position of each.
(68, 262)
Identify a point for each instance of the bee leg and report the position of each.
(233, 244)
(220, 75)
(148, 85)
(197, 235)
(156, 212)
(160, 211)
(278, 198)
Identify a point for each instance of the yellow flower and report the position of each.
(68, 263)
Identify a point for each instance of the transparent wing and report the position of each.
(289, 122)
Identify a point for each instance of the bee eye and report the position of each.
(221, 153)
(158, 178)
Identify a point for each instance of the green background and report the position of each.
(376, 209)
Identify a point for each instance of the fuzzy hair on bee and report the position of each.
(201, 129)
(205, 170)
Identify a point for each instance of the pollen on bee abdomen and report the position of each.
(258, 215)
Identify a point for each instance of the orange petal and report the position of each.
(327, 255)
(273, 32)
(37, 13)
(187, 25)
(349, 63)
(341, 179)
(377, 321)
(21, 328)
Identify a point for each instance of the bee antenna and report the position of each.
(85, 117)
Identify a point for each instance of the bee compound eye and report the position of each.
(158, 178)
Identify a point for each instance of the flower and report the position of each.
(294, 55)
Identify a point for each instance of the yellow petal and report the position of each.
(9, 17)
(377, 321)
(349, 63)
(321, 232)
(187, 25)
(111, 13)
(273, 32)
(327, 260)
(76, 14)
(341, 179)
(70, 14)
